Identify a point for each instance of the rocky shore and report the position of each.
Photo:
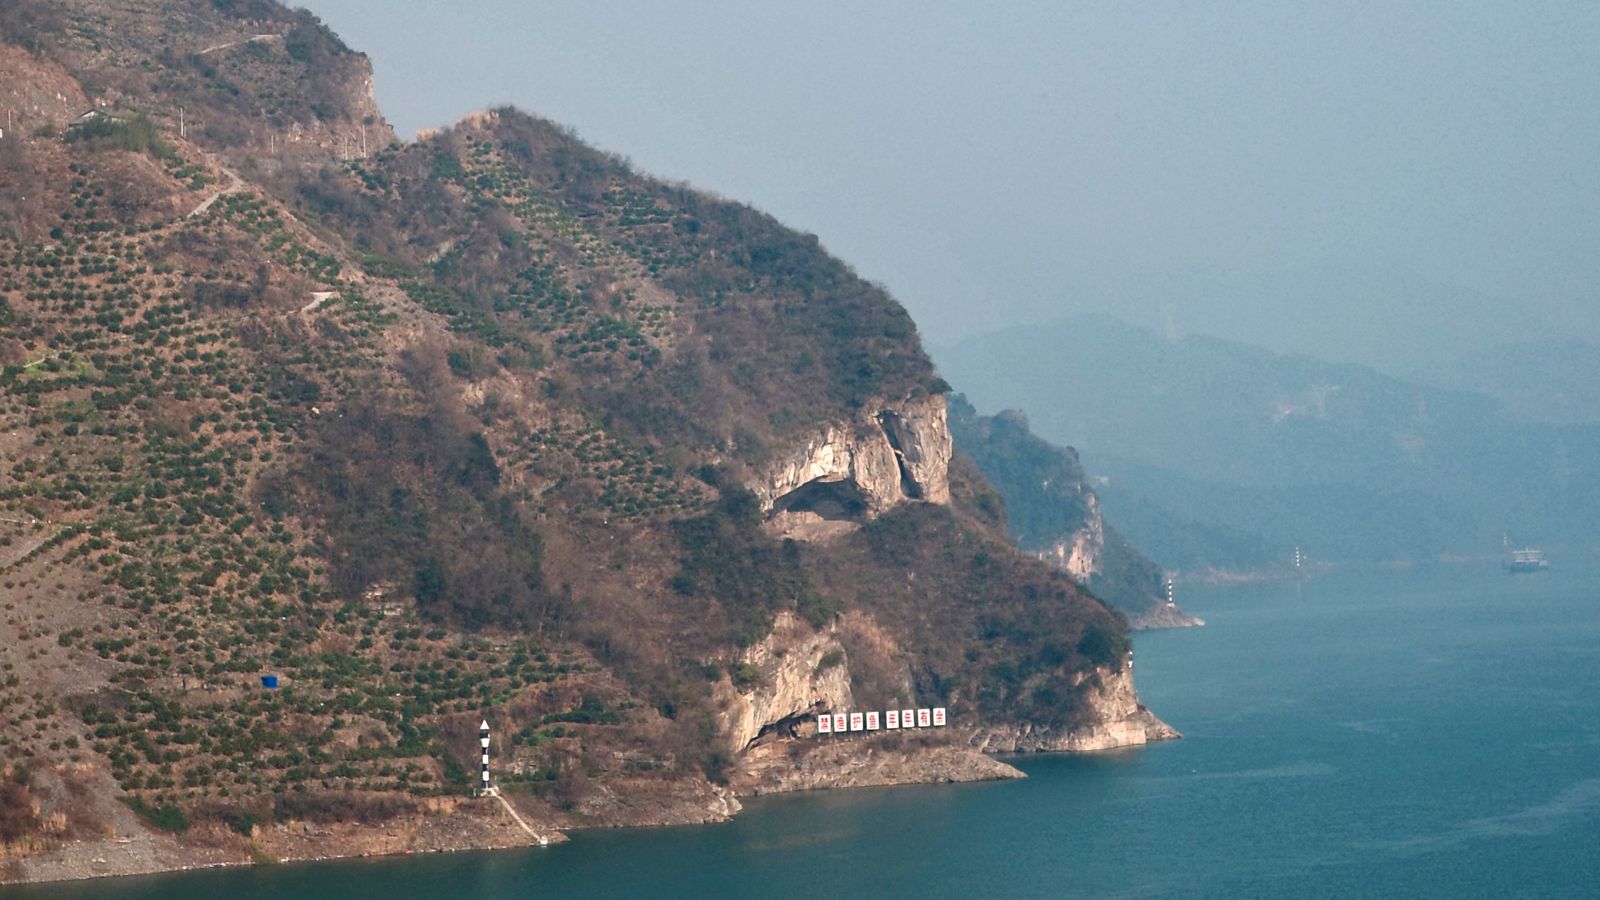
(451, 824)
(1164, 616)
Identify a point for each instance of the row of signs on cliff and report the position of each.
(839, 723)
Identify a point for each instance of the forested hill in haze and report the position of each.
(483, 426)
(1054, 514)
(1552, 381)
(1218, 453)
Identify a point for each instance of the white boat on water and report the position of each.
(1526, 560)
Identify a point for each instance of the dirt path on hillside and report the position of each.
(22, 549)
(495, 793)
(317, 299)
(253, 39)
(234, 184)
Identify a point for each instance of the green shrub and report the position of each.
(829, 660)
(745, 675)
(1103, 645)
(137, 133)
(165, 816)
(818, 608)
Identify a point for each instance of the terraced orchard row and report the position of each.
(170, 364)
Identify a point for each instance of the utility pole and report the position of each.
(180, 123)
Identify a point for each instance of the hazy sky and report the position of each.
(1242, 169)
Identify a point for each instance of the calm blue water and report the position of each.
(1431, 732)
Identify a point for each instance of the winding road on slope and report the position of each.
(234, 184)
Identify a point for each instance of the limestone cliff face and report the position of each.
(1079, 553)
(919, 433)
(1115, 715)
(852, 472)
(771, 726)
(800, 671)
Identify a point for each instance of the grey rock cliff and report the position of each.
(1115, 718)
(792, 681)
(1080, 553)
(851, 472)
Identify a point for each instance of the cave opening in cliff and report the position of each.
(831, 500)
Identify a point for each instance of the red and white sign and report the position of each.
(825, 724)
(872, 721)
(908, 718)
(857, 722)
(938, 717)
(838, 723)
(891, 719)
(924, 718)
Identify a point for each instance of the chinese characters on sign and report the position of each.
(840, 723)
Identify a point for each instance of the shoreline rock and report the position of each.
(1164, 616)
(770, 768)
(879, 761)
(1122, 722)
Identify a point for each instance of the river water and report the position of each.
(1426, 732)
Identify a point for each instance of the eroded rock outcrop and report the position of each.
(1164, 615)
(798, 671)
(1115, 719)
(919, 433)
(1079, 553)
(852, 472)
(872, 761)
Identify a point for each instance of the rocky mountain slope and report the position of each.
(1055, 515)
(486, 425)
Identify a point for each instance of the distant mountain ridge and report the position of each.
(1286, 450)
(1554, 381)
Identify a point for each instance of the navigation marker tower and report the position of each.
(483, 740)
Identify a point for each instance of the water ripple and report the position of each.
(1288, 770)
(1577, 802)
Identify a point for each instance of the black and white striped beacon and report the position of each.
(483, 739)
